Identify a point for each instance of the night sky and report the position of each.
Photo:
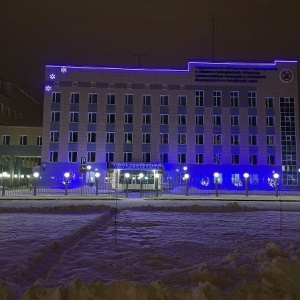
(171, 32)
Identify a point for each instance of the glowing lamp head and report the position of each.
(4, 174)
(36, 174)
(67, 175)
(276, 175)
(216, 175)
(127, 175)
(141, 175)
(186, 176)
(97, 174)
(184, 168)
(156, 175)
(88, 167)
(246, 175)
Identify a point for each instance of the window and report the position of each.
(39, 141)
(252, 140)
(111, 99)
(217, 120)
(199, 98)
(14, 114)
(235, 139)
(110, 118)
(53, 156)
(270, 121)
(56, 97)
(146, 99)
(93, 98)
(1, 107)
(54, 136)
(128, 138)
(235, 159)
(199, 139)
(110, 137)
(129, 99)
(73, 136)
(93, 84)
(271, 160)
(199, 120)
(217, 139)
(270, 140)
(182, 100)
(75, 98)
(127, 156)
(253, 159)
(252, 120)
(7, 111)
(182, 119)
(23, 140)
(164, 138)
(234, 99)
(55, 116)
(217, 159)
(91, 137)
(164, 100)
(234, 120)
(252, 99)
(164, 158)
(164, 119)
(73, 156)
(217, 97)
(146, 156)
(181, 138)
(146, 118)
(269, 102)
(92, 116)
(199, 158)
(91, 156)
(74, 84)
(74, 117)
(109, 157)
(181, 158)
(146, 138)
(128, 118)
(19, 117)
(5, 140)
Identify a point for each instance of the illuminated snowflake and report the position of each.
(63, 69)
(48, 88)
(52, 76)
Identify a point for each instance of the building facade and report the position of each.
(230, 118)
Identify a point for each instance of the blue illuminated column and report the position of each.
(246, 176)
(216, 176)
(66, 175)
(276, 176)
(89, 173)
(186, 178)
(156, 175)
(141, 175)
(4, 176)
(35, 176)
(127, 175)
(97, 175)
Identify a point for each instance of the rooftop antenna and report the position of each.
(140, 55)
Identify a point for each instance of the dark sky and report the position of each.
(108, 33)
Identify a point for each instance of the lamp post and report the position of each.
(216, 176)
(246, 176)
(141, 175)
(4, 175)
(35, 176)
(156, 176)
(276, 176)
(88, 167)
(97, 175)
(186, 178)
(66, 175)
(127, 175)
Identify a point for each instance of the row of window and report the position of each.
(164, 157)
(164, 119)
(164, 138)
(164, 99)
(9, 112)
(23, 140)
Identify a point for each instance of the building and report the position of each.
(230, 118)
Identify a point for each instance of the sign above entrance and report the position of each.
(141, 166)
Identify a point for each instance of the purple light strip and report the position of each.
(179, 70)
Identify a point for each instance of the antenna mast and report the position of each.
(139, 55)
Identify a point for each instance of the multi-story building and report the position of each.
(229, 118)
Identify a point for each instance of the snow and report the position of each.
(171, 249)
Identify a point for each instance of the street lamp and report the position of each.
(66, 175)
(276, 176)
(216, 176)
(186, 178)
(35, 176)
(97, 175)
(88, 167)
(156, 175)
(246, 176)
(141, 175)
(4, 175)
(127, 175)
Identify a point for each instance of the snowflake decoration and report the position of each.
(48, 88)
(52, 76)
(63, 69)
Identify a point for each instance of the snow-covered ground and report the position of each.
(152, 249)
